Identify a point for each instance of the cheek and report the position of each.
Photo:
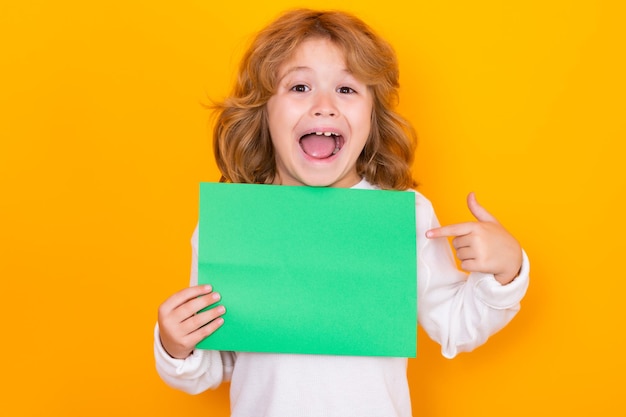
(363, 118)
(280, 113)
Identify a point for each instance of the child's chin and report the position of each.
(318, 181)
(330, 181)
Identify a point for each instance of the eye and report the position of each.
(346, 90)
(300, 88)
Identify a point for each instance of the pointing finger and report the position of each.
(452, 230)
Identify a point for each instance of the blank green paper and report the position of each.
(310, 270)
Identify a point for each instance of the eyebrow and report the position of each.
(294, 69)
(305, 68)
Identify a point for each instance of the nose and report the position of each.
(324, 105)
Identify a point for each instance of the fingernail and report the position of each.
(216, 296)
(221, 309)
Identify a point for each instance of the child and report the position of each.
(313, 106)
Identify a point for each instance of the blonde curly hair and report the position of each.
(241, 139)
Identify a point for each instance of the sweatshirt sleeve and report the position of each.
(457, 310)
(203, 369)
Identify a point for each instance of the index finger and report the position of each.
(182, 296)
(452, 230)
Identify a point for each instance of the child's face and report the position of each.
(317, 94)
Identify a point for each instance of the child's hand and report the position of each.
(483, 246)
(181, 326)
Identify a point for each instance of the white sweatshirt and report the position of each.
(457, 310)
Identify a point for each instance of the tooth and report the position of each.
(336, 146)
(327, 133)
(319, 133)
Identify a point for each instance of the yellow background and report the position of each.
(103, 141)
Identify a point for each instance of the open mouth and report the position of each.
(321, 145)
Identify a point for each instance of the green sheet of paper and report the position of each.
(310, 270)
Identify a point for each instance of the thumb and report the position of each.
(478, 211)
